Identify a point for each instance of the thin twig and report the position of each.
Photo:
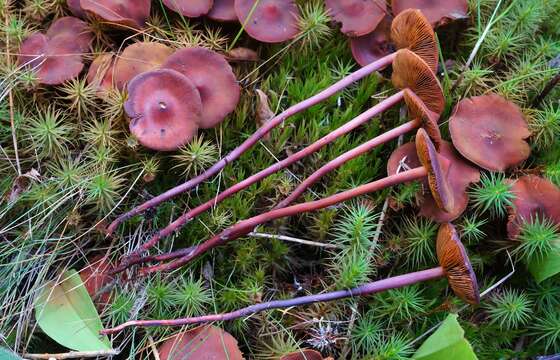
(153, 346)
(293, 239)
(73, 354)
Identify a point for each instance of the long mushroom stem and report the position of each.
(332, 136)
(253, 139)
(347, 156)
(366, 289)
(246, 226)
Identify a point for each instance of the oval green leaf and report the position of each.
(66, 313)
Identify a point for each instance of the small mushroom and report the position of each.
(490, 131)
(303, 354)
(189, 8)
(534, 197)
(223, 10)
(75, 8)
(213, 77)
(358, 17)
(138, 58)
(454, 265)
(438, 12)
(131, 13)
(164, 109)
(95, 276)
(100, 73)
(57, 56)
(270, 21)
(373, 46)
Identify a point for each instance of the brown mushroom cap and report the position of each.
(271, 21)
(453, 258)
(131, 13)
(100, 73)
(204, 342)
(417, 110)
(411, 30)
(490, 131)
(534, 197)
(437, 12)
(138, 58)
(213, 77)
(358, 17)
(373, 46)
(460, 174)
(435, 165)
(411, 72)
(164, 109)
(189, 8)
(223, 10)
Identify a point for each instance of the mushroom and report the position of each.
(454, 265)
(358, 17)
(270, 21)
(213, 77)
(205, 342)
(57, 56)
(223, 10)
(459, 172)
(490, 131)
(75, 8)
(138, 58)
(409, 30)
(100, 73)
(95, 276)
(422, 115)
(534, 197)
(189, 8)
(373, 46)
(432, 169)
(438, 12)
(303, 354)
(132, 13)
(163, 117)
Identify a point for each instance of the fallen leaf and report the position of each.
(21, 184)
(6, 354)
(242, 54)
(202, 343)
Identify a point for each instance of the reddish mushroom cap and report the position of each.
(95, 277)
(373, 46)
(214, 79)
(189, 8)
(203, 343)
(304, 354)
(75, 8)
(411, 72)
(358, 17)
(223, 10)
(453, 258)
(164, 109)
(402, 158)
(438, 12)
(73, 34)
(100, 73)
(460, 175)
(131, 13)
(138, 58)
(436, 166)
(490, 131)
(534, 197)
(411, 30)
(271, 21)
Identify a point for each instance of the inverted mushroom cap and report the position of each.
(435, 165)
(373, 46)
(411, 72)
(131, 13)
(223, 10)
(437, 12)
(164, 109)
(213, 77)
(358, 17)
(100, 72)
(271, 21)
(204, 342)
(419, 111)
(453, 258)
(490, 131)
(411, 30)
(138, 58)
(460, 174)
(189, 8)
(534, 197)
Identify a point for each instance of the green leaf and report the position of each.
(66, 313)
(448, 342)
(546, 267)
(6, 354)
